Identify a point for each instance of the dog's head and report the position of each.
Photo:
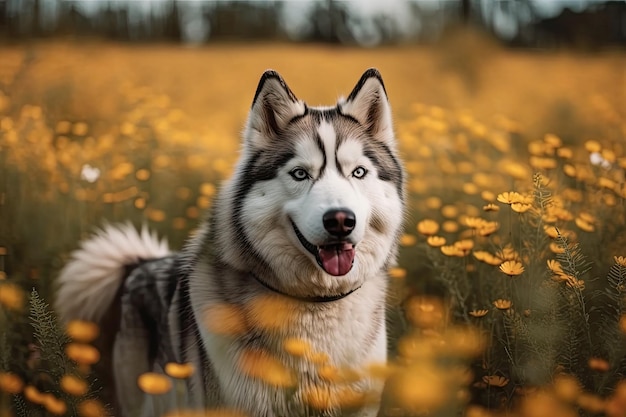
(317, 196)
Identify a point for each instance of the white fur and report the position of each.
(91, 278)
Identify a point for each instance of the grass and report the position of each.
(516, 158)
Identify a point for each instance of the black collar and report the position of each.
(312, 299)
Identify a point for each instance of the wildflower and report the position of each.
(426, 312)
(450, 226)
(82, 353)
(495, 380)
(82, 331)
(556, 248)
(452, 250)
(508, 254)
(555, 266)
(502, 304)
(225, 319)
(436, 241)
(575, 283)
(433, 203)
(259, 364)
(552, 140)
(179, 370)
(398, 273)
(154, 384)
(142, 175)
(297, 347)
(538, 162)
(428, 227)
(565, 153)
(11, 383)
(470, 188)
(32, 394)
(319, 398)
(407, 240)
(488, 196)
(474, 222)
(489, 228)
(510, 197)
(598, 364)
(54, 405)
(449, 211)
(478, 313)
(567, 387)
(551, 231)
(464, 245)
(74, 385)
(491, 207)
(592, 146)
(520, 207)
(584, 225)
(11, 296)
(512, 268)
(620, 260)
(569, 170)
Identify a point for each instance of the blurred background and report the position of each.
(522, 23)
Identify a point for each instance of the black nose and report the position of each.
(340, 222)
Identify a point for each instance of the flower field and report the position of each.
(510, 293)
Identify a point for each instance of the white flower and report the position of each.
(597, 159)
(89, 173)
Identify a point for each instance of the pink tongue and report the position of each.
(337, 259)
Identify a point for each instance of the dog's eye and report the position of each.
(299, 174)
(359, 172)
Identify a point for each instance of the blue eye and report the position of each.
(299, 174)
(359, 172)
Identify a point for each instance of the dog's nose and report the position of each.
(339, 223)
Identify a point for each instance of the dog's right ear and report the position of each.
(274, 105)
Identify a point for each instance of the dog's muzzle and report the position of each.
(336, 257)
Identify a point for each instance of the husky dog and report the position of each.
(295, 251)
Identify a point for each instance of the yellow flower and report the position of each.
(11, 383)
(495, 380)
(464, 245)
(520, 207)
(584, 225)
(82, 331)
(555, 266)
(556, 248)
(449, 211)
(578, 284)
(436, 241)
(74, 385)
(428, 227)
(407, 240)
(154, 384)
(599, 364)
(489, 228)
(510, 197)
(297, 347)
(552, 140)
(565, 153)
(512, 268)
(491, 207)
(11, 296)
(478, 313)
(508, 254)
(82, 353)
(569, 170)
(179, 370)
(91, 408)
(450, 226)
(451, 250)
(398, 273)
(502, 304)
(259, 364)
(225, 319)
(551, 231)
(54, 405)
(593, 146)
(620, 260)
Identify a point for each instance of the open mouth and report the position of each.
(336, 258)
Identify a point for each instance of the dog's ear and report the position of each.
(274, 105)
(369, 105)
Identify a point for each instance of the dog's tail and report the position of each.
(93, 275)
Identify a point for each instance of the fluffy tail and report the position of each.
(92, 277)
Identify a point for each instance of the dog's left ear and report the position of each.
(369, 105)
